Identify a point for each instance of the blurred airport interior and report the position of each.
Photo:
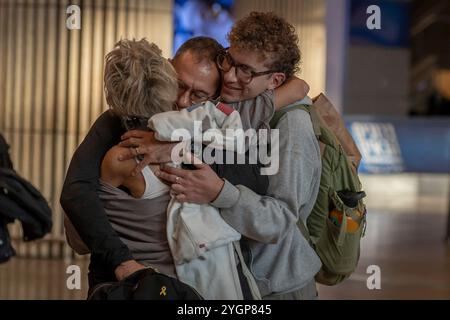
(392, 85)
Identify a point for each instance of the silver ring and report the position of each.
(177, 180)
(136, 150)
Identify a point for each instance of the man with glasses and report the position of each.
(198, 76)
(263, 54)
(243, 73)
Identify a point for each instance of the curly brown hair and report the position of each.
(272, 37)
(139, 81)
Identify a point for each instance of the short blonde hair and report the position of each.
(138, 80)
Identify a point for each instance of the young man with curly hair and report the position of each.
(263, 54)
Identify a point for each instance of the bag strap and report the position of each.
(315, 120)
(247, 274)
(279, 113)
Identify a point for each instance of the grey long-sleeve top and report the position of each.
(282, 259)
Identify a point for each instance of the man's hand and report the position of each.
(127, 268)
(144, 143)
(199, 186)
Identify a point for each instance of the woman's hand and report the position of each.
(144, 143)
(199, 186)
(127, 268)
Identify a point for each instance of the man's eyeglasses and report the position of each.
(195, 96)
(243, 72)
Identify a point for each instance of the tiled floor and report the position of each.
(409, 248)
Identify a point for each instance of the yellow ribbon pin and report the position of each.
(163, 291)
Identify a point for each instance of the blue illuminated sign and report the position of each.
(402, 144)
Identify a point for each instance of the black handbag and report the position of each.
(145, 284)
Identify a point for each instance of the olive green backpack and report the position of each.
(338, 249)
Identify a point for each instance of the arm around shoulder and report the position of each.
(292, 90)
(79, 198)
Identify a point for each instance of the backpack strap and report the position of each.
(247, 274)
(308, 108)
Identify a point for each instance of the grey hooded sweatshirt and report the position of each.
(281, 258)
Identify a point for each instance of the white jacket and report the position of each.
(201, 242)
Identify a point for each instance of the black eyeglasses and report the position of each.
(195, 96)
(243, 72)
